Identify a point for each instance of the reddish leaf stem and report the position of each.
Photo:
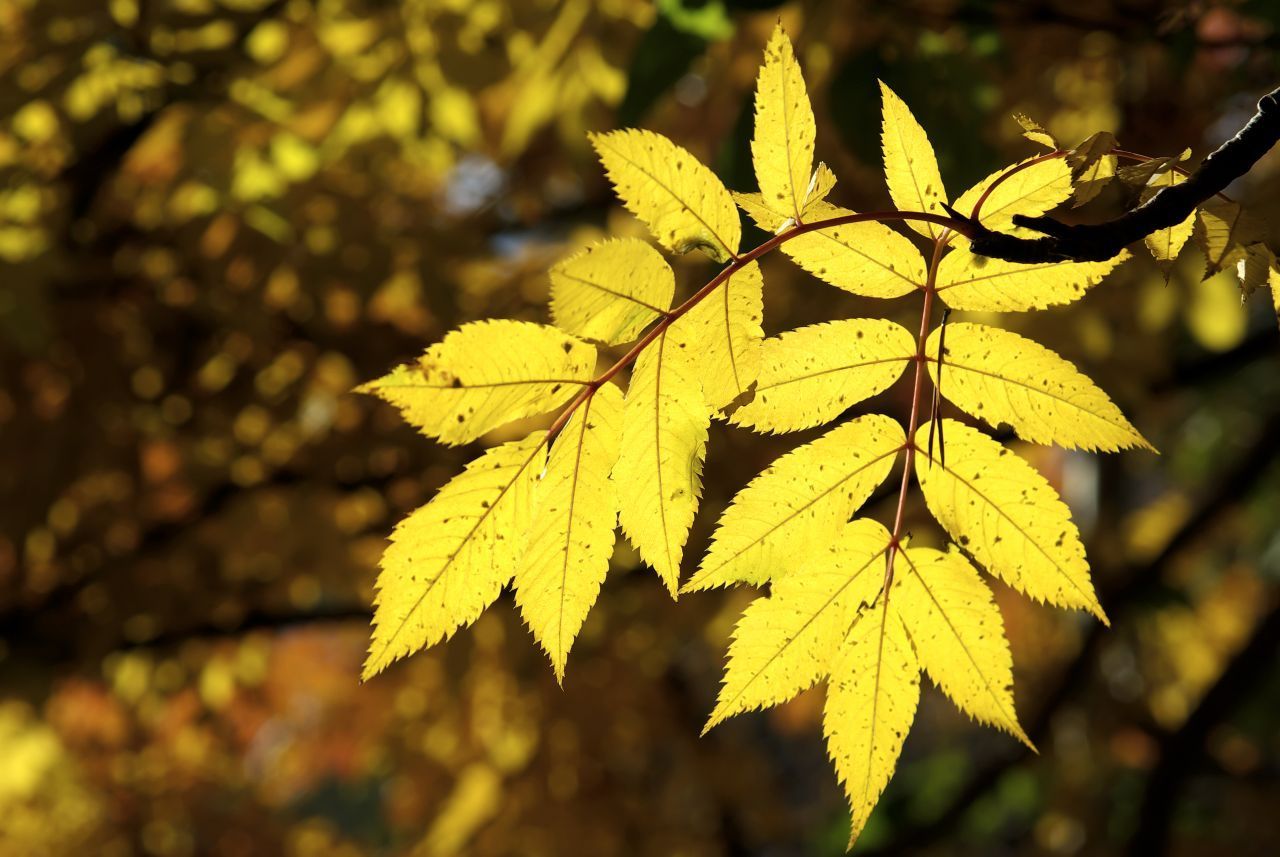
(917, 392)
(1010, 173)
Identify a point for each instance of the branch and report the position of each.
(1096, 242)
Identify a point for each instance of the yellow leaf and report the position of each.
(722, 336)
(970, 282)
(611, 291)
(910, 167)
(571, 538)
(1031, 190)
(1273, 280)
(785, 643)
(681, 201)
(1092, 166)
(811, 375)
(797, 505)
(1092, 179)
(871, 703)
(866, 258)
(449, 560)
(659, 470)
(762, 215)
(1034, 131)
(1254, 268)
(485, 374)
(1224, 230)
(999, 376)
(958, 634)
(782, 148)
(820, 184)
(1165, 244)
(1004, 513)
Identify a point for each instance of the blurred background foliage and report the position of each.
(217, 216)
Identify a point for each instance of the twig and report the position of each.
(1096, 242)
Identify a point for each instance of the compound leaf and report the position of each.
(762, 215)
(1032, 190)
(1092, 166)
(722, 336)
(958, 634)
(1034, 131)
(754, 204)
(485, 374)
(784, 643)
(871, 703)
(1165, 244)
(969, 282)
(910, 167)
(868, 258)
(1224, 232)
(782, 148)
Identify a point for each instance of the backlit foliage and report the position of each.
(850, 602)
(217, 217)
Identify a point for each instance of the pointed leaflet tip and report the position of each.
(910, 166)
(785, 130)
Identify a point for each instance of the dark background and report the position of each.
(218, 216)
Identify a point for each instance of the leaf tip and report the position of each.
(372, 666)
(1022, 736)
(1100, 614)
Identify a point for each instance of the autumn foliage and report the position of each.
(850, 601)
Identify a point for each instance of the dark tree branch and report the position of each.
(1096, 242)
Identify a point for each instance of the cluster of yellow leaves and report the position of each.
(1227, 236)
(540, 513)
(829, 615)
